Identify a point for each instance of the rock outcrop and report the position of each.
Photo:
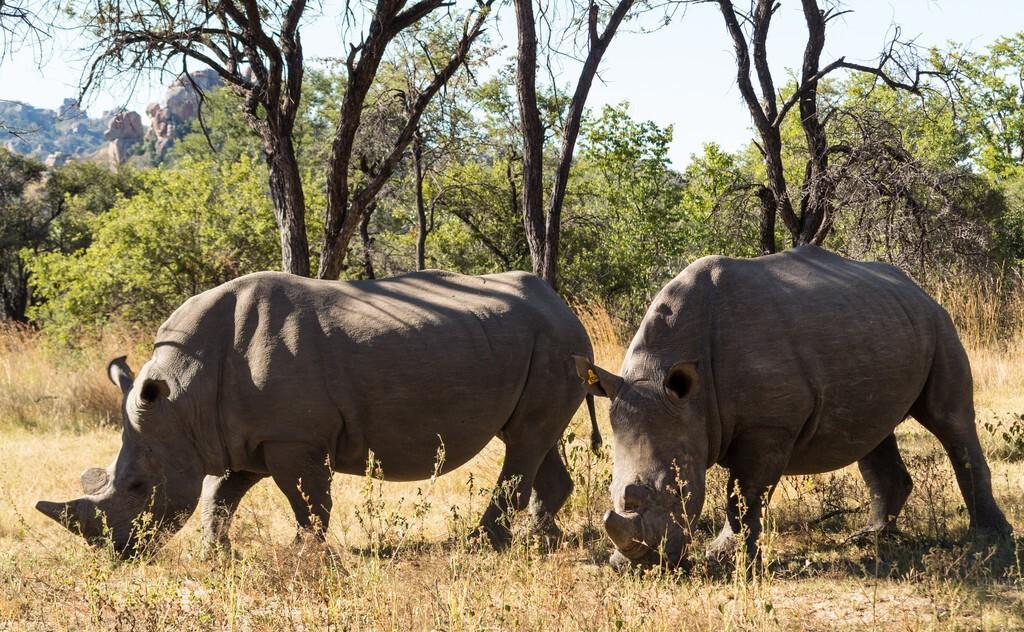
(68, 133)
(124, 130)
(39, 132)
(173, 119)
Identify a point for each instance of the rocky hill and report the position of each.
(41, 133)
(115, 137)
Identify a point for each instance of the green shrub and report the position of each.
(191, 227)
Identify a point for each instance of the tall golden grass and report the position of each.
(988, 312)
(47, 385)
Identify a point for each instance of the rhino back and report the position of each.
(396, 366)
(830, 350)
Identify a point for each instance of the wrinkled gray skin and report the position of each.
(282, 376)
(796, 363)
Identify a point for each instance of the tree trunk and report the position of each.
(364, 234)
(421, 207)
(813, 227)
(15, 293)
(573, 120)
(767, 228)
(289, 208)
(533, 135)
(345, 209)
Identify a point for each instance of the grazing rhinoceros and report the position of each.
(796, 363)
(282, 376)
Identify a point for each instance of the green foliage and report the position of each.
(226, 137)
(993, 102)
(625, 226)
(479, 226)
(921, 181)
(191, 227)
(47, 211)
(22, 224)
(79, 191)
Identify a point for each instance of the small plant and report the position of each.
(1010, 430)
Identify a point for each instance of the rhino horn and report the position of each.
(626, 533)
(64, 513)
(94, 480)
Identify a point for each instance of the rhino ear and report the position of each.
(94, 479)
(121, 374)
(596, 380)
(682, 380)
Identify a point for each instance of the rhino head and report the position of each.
(154, 484)
(660, 458)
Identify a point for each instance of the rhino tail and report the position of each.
(595, 432)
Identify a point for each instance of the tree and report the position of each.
(807, 212)
(256, 49)
(47, 211)
(992, 87)
(21, 22)
(905, 182)
(446, 128)
(543, 232)
(991, 109)
(22, 222)
(189, 228)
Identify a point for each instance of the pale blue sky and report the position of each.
(682, 74)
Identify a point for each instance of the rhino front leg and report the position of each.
(756, 465)
(551, 488)
(304, 476)
(221, 496)
(890, 485)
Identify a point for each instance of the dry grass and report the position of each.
(49, 387)
(398, 558)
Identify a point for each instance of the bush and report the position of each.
(191, 227)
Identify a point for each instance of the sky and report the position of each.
(681, 75)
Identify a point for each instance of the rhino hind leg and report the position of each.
(890, 485)
(550, 397)
(511, 495)
(304, 476)
(551, 488)
(220, 500)
(959, 438)
(946, 409)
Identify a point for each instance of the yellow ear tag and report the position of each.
(592, 377)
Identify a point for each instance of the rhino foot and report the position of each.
(998, 540)
(868, 534)
(547, 532)
(722, 549)
(619, 562)
(499, 537)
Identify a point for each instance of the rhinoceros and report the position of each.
(277, 375)
(796, 363)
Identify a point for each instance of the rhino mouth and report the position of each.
(637, 543)
(83, 517)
